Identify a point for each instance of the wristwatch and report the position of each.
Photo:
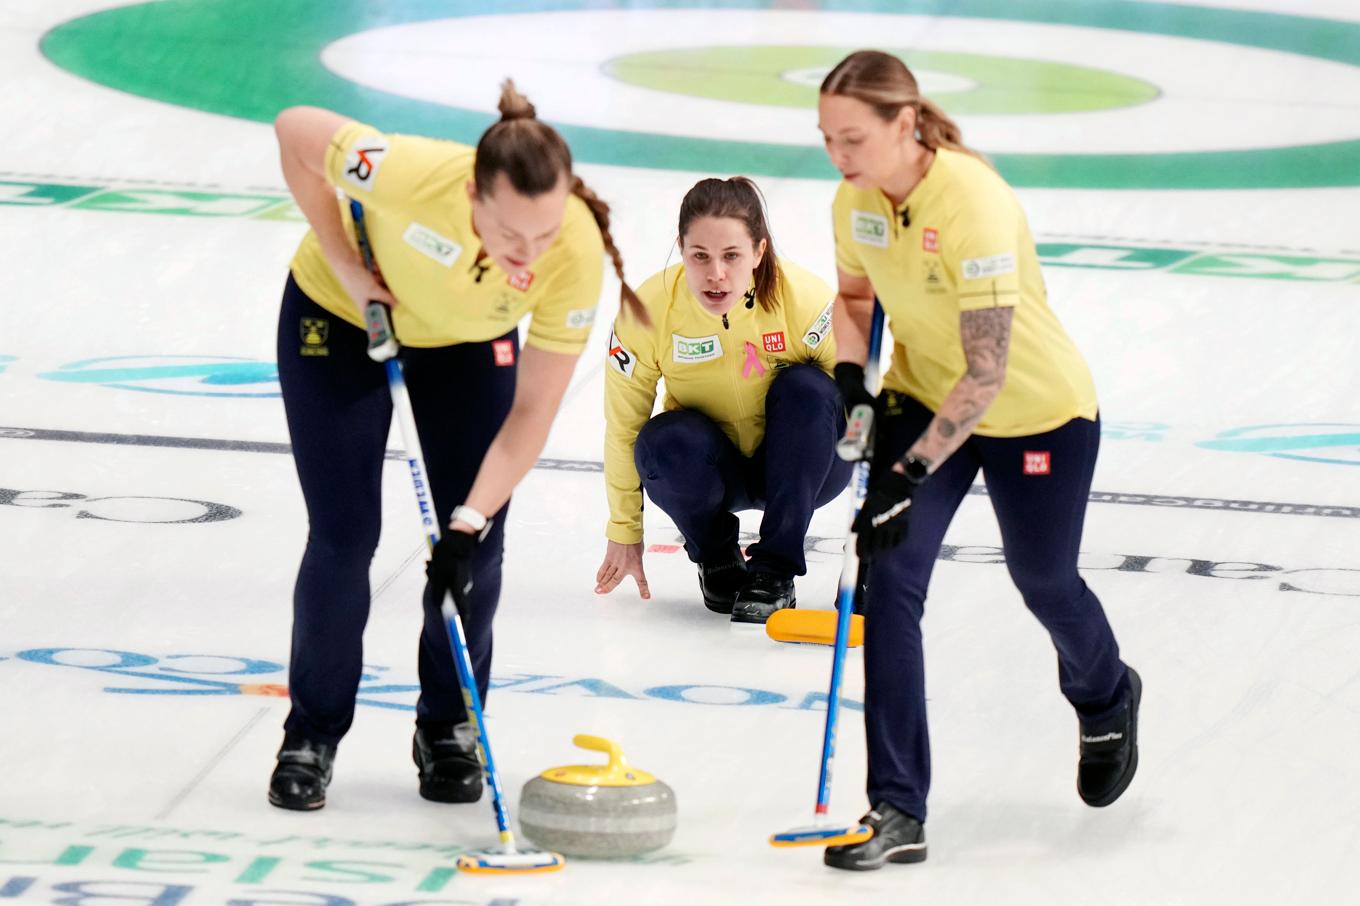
(465, 513)
(915, 468)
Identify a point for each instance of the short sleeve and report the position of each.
(982, 249)
(562, 319)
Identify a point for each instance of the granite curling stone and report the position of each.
(598, 811)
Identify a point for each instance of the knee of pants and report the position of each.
(1041, 588)
(675, 443)
(803, 386)
(343, 541)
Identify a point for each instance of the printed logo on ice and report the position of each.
(696, 349)
(869, 229)
(177, 375)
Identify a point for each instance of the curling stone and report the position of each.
(602, 811)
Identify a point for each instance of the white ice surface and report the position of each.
(1247, 793)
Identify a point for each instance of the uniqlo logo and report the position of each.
(504, 351)
(774, 342)
(521, 281)
(930, 239)
(1038, 462)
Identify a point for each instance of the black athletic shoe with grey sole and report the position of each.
(898, 837)
(1109, 751)
(302, 774)
(446, 759)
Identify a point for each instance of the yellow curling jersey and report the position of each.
(723, 371)
(967, 247)
(419, 219)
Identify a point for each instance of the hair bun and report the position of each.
(513, 105)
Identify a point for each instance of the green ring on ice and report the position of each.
(787, 76)
(250, 58)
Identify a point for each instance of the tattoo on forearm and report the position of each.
(986, 335)
(986, 338)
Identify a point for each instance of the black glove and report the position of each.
(850, 382)
(450, 566)
(882, 520)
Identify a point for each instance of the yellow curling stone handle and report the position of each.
(618, 772)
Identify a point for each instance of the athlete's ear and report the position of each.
(906, 122)
(472, 189)
(760, 251)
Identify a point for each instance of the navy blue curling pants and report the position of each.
(699, 478)
(1040, 509)
(339, 411)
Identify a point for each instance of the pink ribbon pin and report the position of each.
(752, 362)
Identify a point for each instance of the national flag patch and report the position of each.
(1038, 462)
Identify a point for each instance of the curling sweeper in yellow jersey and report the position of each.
(752, 416)
(465, 244)
(983, 378)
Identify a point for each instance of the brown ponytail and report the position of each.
(535, 158)
(628, 300)
(740, 199)
(885, 83)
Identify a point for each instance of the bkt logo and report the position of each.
(177, 375)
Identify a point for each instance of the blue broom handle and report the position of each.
(383, 347)
(845, 592)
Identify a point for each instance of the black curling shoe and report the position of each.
(448, 765)
(898, 837)
(302, 774)
(762, 595)
(1109, 751)
(721, 578)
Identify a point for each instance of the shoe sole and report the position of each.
(1123, 784)
(906, 854)
(280, 802)
(713, 604)
(433, 795)
(739, 617)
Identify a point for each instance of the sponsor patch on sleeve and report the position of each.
(580, 317)
(363, 161)
(620, 359)
(820, 328)
(991, 266)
